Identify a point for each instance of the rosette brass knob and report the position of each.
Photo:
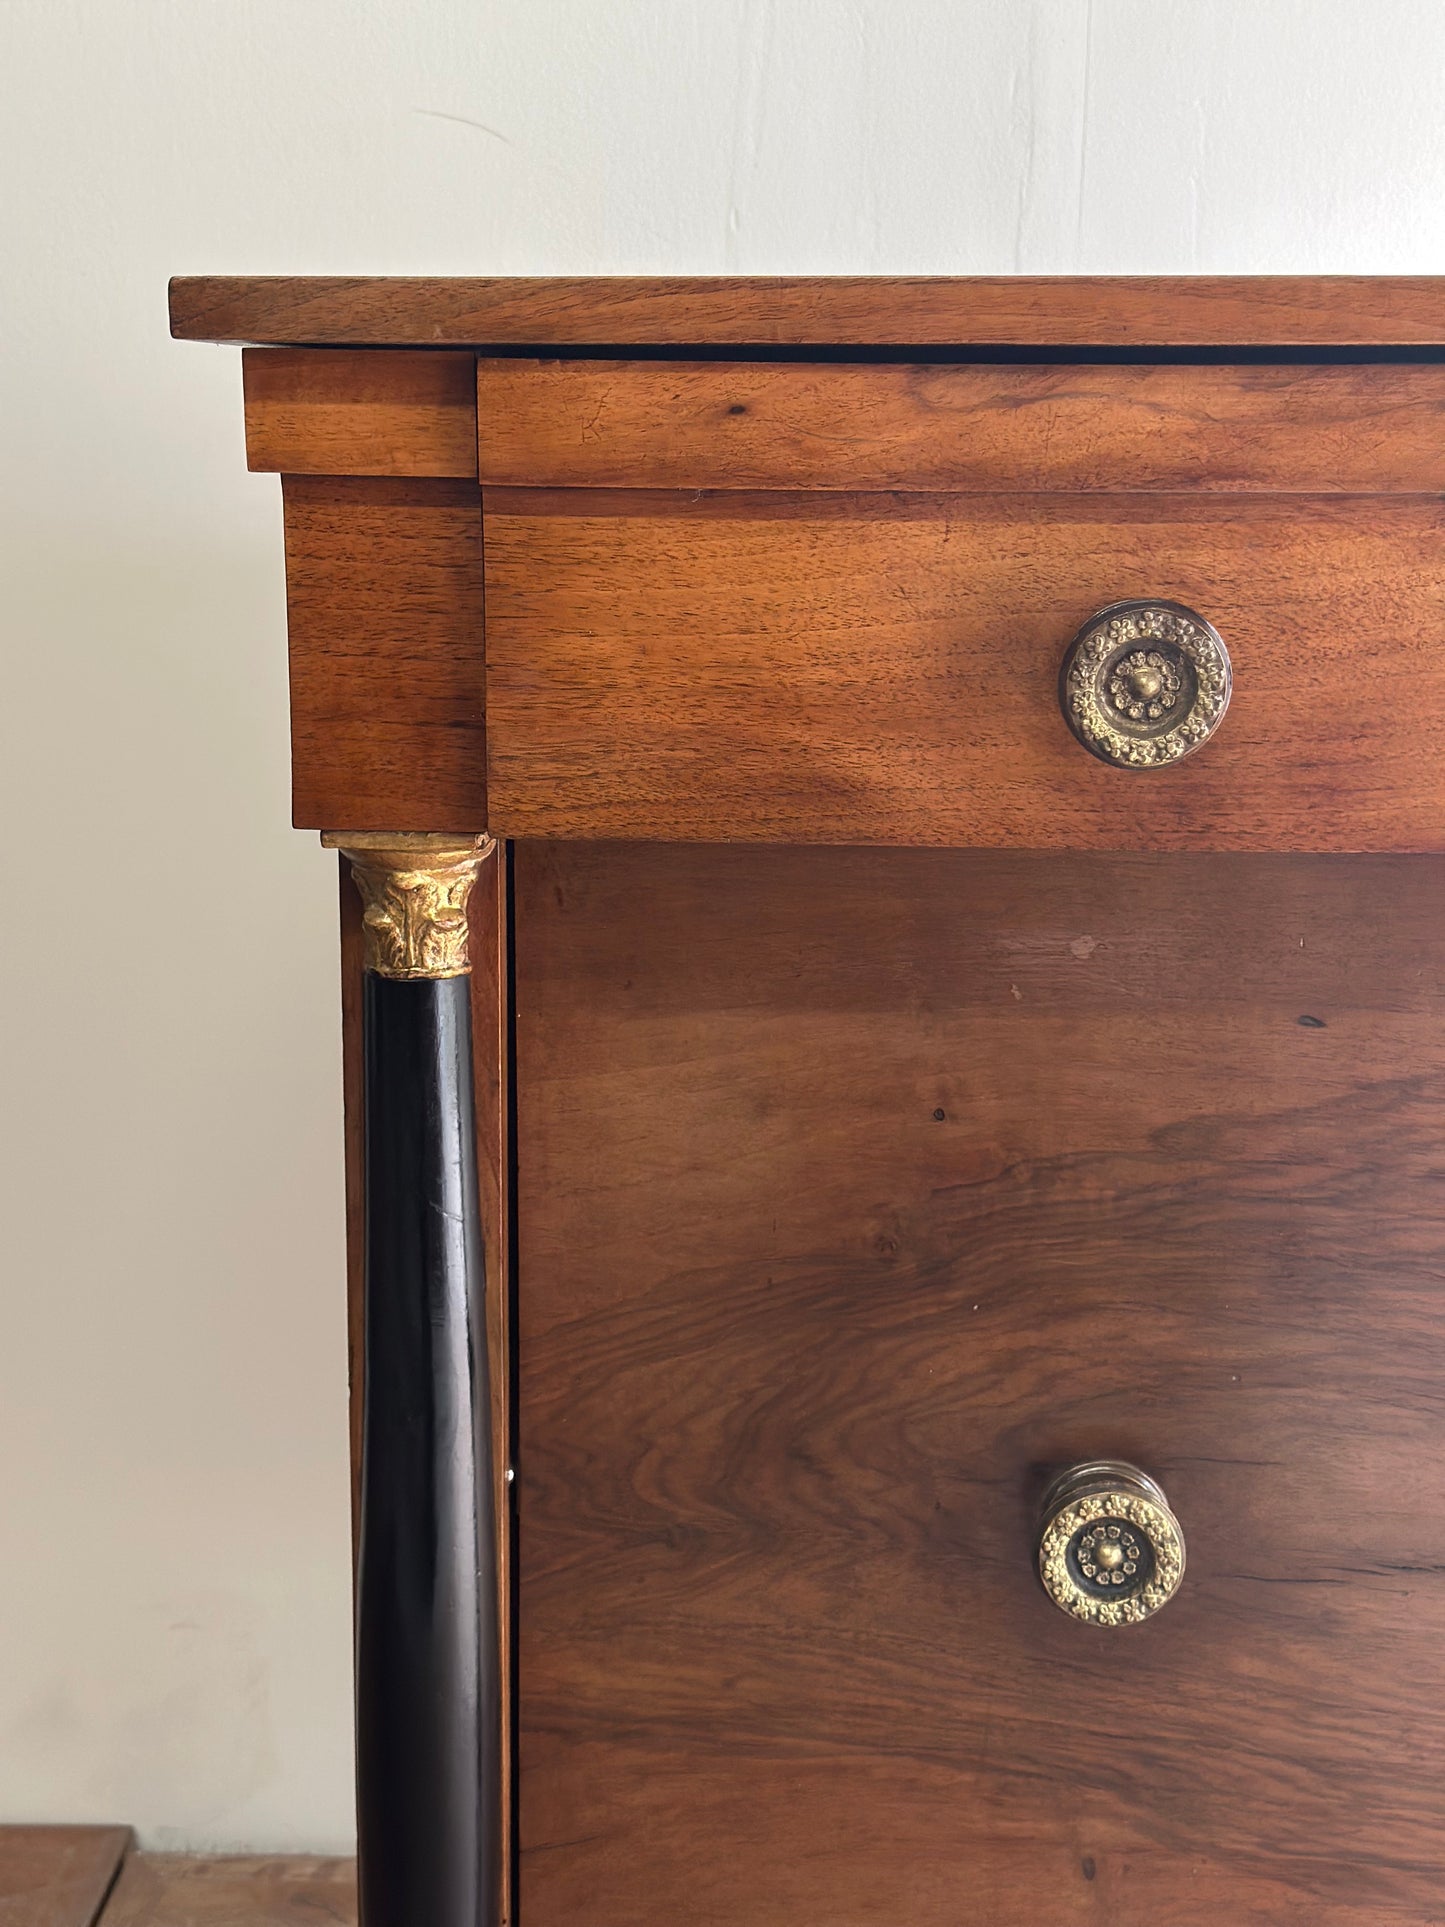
(1145, 683)
(1110, 1550)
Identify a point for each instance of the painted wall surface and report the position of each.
(174, 1619)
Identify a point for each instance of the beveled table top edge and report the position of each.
(875, 312)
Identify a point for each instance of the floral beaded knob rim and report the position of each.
(1111, 1557)
(1145, 683)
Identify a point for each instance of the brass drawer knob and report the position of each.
(1145, 683)
(1110, 1550)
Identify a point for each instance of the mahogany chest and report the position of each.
(893, 924)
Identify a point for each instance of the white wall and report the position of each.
(174, 1622)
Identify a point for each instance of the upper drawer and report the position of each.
(884, 669)
(1362, 429)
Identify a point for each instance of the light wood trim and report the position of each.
(906, 310)
(326, 411)
(1362, 429)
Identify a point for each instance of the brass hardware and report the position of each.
(1110, 1550)
(1145, 683)
(415, 890)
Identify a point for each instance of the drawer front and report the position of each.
(858, 1190)
(884, 669)
(1367, 429)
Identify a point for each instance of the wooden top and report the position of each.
(191, 1890)
(1234, 311)
(57, 1876)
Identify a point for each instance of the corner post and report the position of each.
(428, 1709)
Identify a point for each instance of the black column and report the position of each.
(427, 1699)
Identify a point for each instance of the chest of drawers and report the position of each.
(893, 928)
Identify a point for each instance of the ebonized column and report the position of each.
(428, 1721)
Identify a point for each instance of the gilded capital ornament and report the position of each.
(414, 890)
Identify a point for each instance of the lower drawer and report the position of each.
(879, 669)
(859, 1189)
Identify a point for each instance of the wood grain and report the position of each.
(318, 411)
(857, 1190)
(904, 310)
(384, 604)
(57, 1876)
(876, 669)
(185, 1890)
(1361, 429)
(487, 917)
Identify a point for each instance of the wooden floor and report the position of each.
(94, 1877)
